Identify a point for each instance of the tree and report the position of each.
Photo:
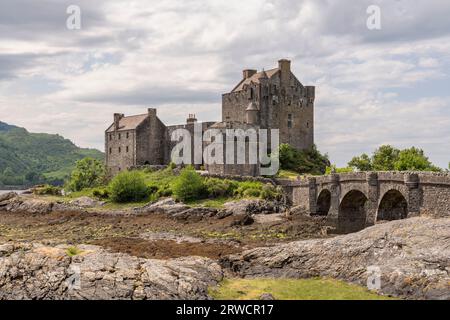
(388, 158)
(362, 163)
(303, 161)
(384, 158)
(88, 173)
(9, 178)
(414, 159)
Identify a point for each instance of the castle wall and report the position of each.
(120, 150)
(151, 142)
(289, 108)
(171, 144)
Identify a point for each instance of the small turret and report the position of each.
(251, 113)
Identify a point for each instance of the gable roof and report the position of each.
(255, 78)
(129, 123)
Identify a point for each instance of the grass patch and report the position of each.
(73, 251)
(210, 203)
(292, 289)
(287, 174)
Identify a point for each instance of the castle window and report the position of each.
(289, 120)
(252, 93)
(307, 124)
(119, 136)
(127, 149)
(110, 137)
(128, 135)
(120, 150)
(110, 150)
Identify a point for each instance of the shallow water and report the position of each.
(6, 191)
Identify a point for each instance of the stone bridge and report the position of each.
(353, 201)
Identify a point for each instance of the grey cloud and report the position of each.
(152, 96)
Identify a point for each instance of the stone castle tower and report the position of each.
(273, 99)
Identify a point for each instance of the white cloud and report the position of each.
(180, 57)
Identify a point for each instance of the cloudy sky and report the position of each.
(373, 86)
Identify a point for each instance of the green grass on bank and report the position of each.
(292, 289)
(287, 174)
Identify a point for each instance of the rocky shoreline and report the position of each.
(36, 271)
(412, 256)
(159, 251)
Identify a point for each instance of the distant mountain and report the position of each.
(28, 158)
(6, 127)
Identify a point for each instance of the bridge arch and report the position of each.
(323, 202)
(352, 212)
(392, 206)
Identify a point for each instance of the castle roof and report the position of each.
(255, 78)
(129, 123)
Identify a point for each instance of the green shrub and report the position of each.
(47, 190)
(251, 192)
(100, 193)
(271, 193)
(172, 166)
(189, 185)
(220, 187)
(73, 251)
(245, 185)
(128, 186)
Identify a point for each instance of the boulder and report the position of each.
(7, 196)
(253, 206)
(266, 296)
(29, 205)
(410, 257)
(164, 206)
(86, 202)
(178, 211)
(35, 271)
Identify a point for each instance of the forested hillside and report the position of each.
(30, 158)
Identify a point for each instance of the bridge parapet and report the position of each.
(416, 193)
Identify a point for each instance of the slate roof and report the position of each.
(255, 78)
(129, 123)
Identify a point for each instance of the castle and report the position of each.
(271, 99)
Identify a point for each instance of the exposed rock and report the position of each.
(266, 296)
(34, 271)
(413, 256)
(7, 196)
(86, 202)
(253, 206)
(178, 238)
(177, 210)
(30, 205)
(241, 220)
(164, 206)
(297, 210)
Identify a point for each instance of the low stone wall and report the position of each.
(149, 167)
(239, 178)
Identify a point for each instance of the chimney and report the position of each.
(247, 73)
(151, 112)
(117, 117)
(285, 68)
(191, 119)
